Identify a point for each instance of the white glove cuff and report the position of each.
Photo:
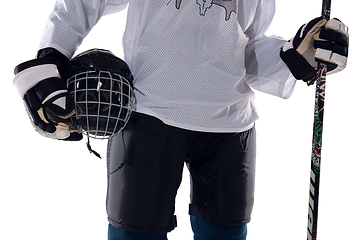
(29, 77)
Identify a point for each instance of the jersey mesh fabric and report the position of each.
(193, 61)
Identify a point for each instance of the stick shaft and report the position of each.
(317, 141)
(326, 8)
(316, 155)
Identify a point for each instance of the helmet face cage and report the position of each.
(104, 101)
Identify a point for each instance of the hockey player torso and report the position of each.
(179, 54)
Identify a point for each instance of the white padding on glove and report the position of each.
(29, 77)
(327, 55)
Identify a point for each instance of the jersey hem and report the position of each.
(194, 128)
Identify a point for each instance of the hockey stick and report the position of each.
(317, 141)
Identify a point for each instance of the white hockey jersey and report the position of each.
(193, 61)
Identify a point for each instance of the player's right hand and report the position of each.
(47, 100)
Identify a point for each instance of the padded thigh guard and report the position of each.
(223, 179)
(145, 163)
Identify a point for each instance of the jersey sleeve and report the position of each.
(266, 72)
(71, 21)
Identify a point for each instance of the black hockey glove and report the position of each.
(319, 41)
(46, 97)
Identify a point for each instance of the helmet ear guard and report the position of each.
(101, 86)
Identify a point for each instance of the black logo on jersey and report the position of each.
(204, 5)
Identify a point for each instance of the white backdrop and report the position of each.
(56, 190)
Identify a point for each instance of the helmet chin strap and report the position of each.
(90, 149)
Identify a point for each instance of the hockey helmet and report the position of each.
(101, 86)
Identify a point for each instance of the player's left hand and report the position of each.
(319, 41)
